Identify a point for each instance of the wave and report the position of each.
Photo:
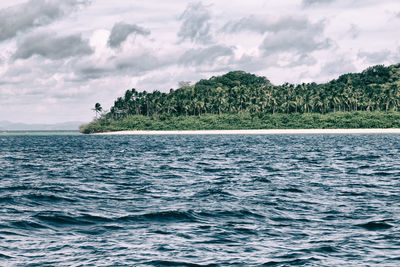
(63, 219)
(216, 170)
(162, 263)
(161, 216)
(292, 190)
(27, 225)
(242, 213)
(42, 197)
(375, 225)
(211, 192)
(4, 256)
(294, 262)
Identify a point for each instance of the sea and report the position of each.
(199, 200)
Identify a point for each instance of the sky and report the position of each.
(59, 57)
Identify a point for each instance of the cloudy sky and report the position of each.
(59, 57)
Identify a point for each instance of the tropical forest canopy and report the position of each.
(375, 89)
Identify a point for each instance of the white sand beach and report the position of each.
(253, 132)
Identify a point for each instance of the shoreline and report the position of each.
(255, 132)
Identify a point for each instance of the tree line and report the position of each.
(375, 89)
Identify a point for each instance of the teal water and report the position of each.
(229, 200)
(38, 133)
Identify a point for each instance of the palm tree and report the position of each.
(238, 92)
(97, 108)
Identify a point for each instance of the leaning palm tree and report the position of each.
(97, 109)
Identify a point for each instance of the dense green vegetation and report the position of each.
(334, 120)
(239, 100)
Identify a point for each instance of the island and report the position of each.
(244, 101)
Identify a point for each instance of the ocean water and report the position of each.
(229, 200)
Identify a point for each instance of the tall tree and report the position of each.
(97, 108)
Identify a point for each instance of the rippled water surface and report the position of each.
(272, 200)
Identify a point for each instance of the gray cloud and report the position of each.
(263, 25)
(91, 72)
(340, 66)
(132, 65)
(253, 63)
(250, 23)
(342, 3)
(195, 57)
(138, 64)
(51, 46)
(302, 40)
(256, 63)
(375, 57)
(287, 34)
(303, 59)
(34, 13)
(354, 31)
(121, 31)
(195, 23)
(307, 3)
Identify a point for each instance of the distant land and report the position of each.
(65, 126)
(240, 100)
